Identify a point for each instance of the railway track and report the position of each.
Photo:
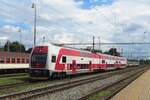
(12, 75)
(12, 80)
(129, 78)
(50, 81)
(61, 86)
(13, 85)
(124, 85)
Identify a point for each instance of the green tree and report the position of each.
(112, 51)
(29, 50)
(88, 48)
(1, 49)
(14, 47)
(7, 46)
(97, 51)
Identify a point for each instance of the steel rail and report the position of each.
(7, 86)
(106, 86)
(58, 87)
(70, 85)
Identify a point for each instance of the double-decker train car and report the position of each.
(133, 63)
(13, 62)
(47, 60)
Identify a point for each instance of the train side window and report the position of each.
(2, 60)
(53, 59)
(13, 60)
(27, 60)
(83, 67)
(23, 60)
(78, 66)
(103, 61)
(7, 60)
(18, 60)
(64, 59)
(86, 66)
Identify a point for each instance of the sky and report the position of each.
(76, 21)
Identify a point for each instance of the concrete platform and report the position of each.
(137, 90)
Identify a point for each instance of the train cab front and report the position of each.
(38, 63)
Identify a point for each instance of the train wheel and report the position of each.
(53, 75)
(64, 74)
(60, 76)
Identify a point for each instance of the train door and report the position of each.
(73, 66)
(99, 63)
(90, 66)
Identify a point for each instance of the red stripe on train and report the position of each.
(69, 52)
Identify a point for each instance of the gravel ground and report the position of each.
(137, 90)
(44, 83)
(70, 94)
(79, 91)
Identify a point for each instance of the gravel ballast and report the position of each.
(77, 92)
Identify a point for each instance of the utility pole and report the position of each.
(20, 43)
(121, 52)
(8, 49)
(34, 6)
(99, 43)
(132, 50)
(43, 39)
(93, 42)
(20, 38)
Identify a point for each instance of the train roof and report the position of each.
(84, 51)
(13, 54)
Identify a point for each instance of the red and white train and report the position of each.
(11, 62)
(48, 60)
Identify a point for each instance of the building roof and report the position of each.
(13, 54)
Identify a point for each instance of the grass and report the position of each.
(100, 95)
(34, 85)
(24, 87)
(13, 80)
(108, 92)
(12, 75)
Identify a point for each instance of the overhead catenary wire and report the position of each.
(110, 43)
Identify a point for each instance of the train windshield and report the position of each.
(38, 60)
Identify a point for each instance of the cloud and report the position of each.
(9, 29)
(66, 21)
(3, 40)
(65, 38)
